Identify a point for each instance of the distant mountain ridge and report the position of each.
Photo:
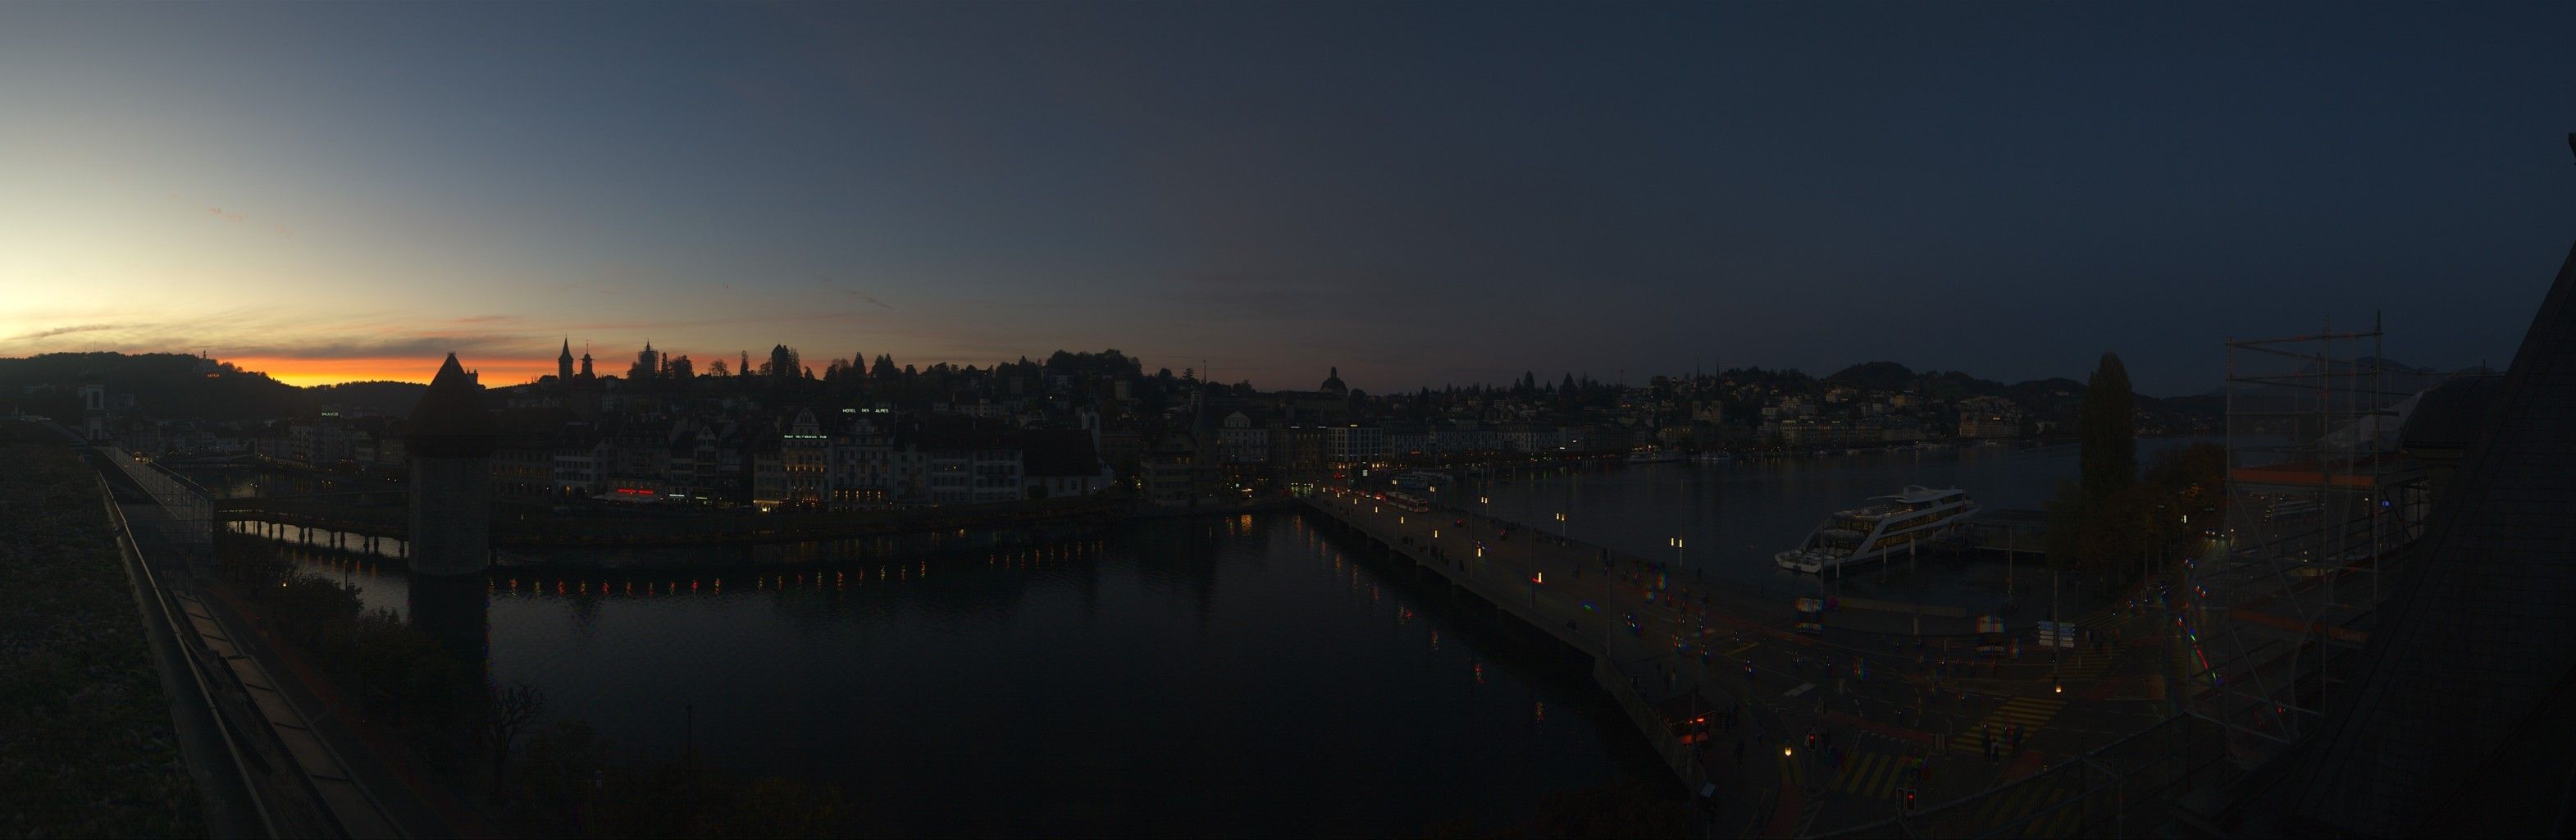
(1874, 376)
(160, 384)
(370, 397)
(179, 385)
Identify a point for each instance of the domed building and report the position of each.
(1328, 403)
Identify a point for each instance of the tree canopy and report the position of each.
(2108, 430)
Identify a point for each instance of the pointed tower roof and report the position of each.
(450, 420)
(567, 351)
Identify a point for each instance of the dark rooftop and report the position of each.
(450, 420)
(2452, 413)
(2460, 703)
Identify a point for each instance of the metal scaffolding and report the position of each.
(2320, 498)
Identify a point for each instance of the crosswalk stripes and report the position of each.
(1876, 775)
(2003, 804)
(2030, 713)
(2027, 712)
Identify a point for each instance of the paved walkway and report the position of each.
(1639, 632)
(375, 757)
(380, 782)
(1881, 696)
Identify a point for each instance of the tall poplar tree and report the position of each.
(2108, 432)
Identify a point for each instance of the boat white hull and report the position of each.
(1816, 560)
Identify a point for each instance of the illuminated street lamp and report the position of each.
(1676, 543)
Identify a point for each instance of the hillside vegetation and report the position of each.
(86, 748)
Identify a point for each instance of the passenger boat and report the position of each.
(1654, 455)
(1421, 479)
(1872, 532)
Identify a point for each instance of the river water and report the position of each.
(1242, 675)
(1238, 676)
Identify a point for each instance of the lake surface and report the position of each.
(1239, 676)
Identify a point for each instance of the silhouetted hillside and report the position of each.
(1874, 376)
(395, 398)
(169, 385)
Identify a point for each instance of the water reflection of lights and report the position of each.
(1033, 557)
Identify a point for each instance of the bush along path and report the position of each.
(86, 743)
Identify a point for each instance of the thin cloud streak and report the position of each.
(66, 331)
(828, 284)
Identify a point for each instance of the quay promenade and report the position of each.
(1545, 584)
(1878, 694)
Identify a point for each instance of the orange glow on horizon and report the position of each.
(303, 373)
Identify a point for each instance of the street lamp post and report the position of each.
(1677, 553)
(2057, 639)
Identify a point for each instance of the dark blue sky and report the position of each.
(1414, 193)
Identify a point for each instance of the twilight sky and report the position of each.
(1418, 194)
